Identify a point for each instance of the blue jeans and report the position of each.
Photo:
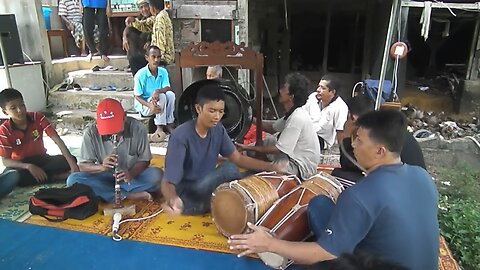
(319, 210)
(8, 181)
(103, 184)
(196, 195)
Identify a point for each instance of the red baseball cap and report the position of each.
(110, 116)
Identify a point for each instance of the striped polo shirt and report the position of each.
(18, 144)
(70, 9)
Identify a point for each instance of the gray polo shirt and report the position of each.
(133, 145)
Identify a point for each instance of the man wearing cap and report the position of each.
(100, 163)
(143, 23)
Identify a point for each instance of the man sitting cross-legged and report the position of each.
(98, 159)
(297, 143)
(153, 95)
(193, 148)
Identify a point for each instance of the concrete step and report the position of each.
(77, 120)
(61, 67)
(87, 99)
(88, 78)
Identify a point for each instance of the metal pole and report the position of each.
(5, 60)
(386, 51)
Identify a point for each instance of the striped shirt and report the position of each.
(18, 144)
(162, 37)
(70, 9)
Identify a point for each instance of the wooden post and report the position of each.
(327, 38)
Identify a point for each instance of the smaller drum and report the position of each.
(235, 203)
(287, 219)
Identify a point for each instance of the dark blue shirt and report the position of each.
(94, 3)
(391, 213)
(190, 157)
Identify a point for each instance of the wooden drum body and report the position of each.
(287, 219)
(235, 203)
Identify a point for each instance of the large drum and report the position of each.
(287, 218)
(238, 202)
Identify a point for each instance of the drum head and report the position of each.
(229, 212)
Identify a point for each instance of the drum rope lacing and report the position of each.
(261, 195)
(290, 213)
(308, 185)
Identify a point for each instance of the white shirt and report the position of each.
(298, 141)
(332, 117)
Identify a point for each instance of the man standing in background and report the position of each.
(95, 11)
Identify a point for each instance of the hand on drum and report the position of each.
(173, 206)
(255, 242)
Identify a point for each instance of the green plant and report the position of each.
(460, 225)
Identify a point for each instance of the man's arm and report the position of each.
(7, 162)
(138, 168)
(36, 171)
(145, 25)
(143, 101)
(66, 153)
(261, 241)
(253, 164)
(264, 149)
(91, 167)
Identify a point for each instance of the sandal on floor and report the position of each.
(76, 87)
(157, 137)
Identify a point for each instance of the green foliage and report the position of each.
(460, 225)
(459, 213)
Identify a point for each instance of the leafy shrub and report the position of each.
(459, 213)
(460, 225)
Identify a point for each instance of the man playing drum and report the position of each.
(193, 148)
(391, 213)
(297, 143)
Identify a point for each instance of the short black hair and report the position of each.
(360, 105)
(209, 93)
(152, 47)
(358, 261)
(332, 83)
(300, 88)
(386, 127)
(157, 4)
(8, 95)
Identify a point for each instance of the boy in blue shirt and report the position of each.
(153, 95)
(191, 174)
(391, 213)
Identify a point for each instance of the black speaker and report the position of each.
(238, 110)
(10, 40)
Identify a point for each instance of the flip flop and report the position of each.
(111, 88)
(63, 87)
(122, 89)
(76, 87)
(108, 68)
(95, 88)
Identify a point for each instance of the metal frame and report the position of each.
(225, 54)
(393, 15)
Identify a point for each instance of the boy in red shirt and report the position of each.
(21, 144)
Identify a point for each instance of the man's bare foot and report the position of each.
(105, 58)
(89, 57)
(138, 196)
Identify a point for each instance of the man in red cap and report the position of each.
(100, 163)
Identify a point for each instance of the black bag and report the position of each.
(77, 201)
